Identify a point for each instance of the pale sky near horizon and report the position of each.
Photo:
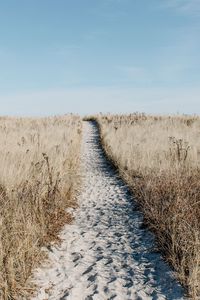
(88, 56)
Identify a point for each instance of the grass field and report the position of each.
(158, 156)
(39, 174)
(160, 159)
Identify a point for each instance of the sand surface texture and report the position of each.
(106, 253)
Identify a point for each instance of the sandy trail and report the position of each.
(105, 253)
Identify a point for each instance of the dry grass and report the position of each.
(39, 160)
(160, 159)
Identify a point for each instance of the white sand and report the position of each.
(105, 254)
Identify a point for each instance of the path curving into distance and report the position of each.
(106, 253)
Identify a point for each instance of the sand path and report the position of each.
(105, 253)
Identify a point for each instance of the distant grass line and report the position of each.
(39, 175)
(159, 157)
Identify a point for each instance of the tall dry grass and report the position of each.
(160, 159)
(39, 161)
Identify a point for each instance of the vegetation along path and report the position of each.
(105, 253)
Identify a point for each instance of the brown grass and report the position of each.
(160, 159)
(39, 161)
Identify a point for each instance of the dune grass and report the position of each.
(160, 159)
(39, 174)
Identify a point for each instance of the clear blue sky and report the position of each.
(85, 56)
